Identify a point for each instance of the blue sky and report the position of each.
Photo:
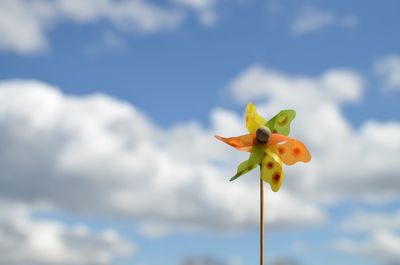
(190, 74)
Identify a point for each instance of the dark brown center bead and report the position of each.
(263, 134)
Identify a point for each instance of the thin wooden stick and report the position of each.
(261, 220)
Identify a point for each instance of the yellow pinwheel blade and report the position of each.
(253, 119)
(271, 169)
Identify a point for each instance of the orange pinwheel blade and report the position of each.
(293, 151)
(277, 138)
(242, 143)
(247, 141)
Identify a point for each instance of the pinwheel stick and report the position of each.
(262, 135)
(261, 220)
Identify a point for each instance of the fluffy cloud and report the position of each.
(100, 156)
(362, 221)
(97, 155)
(383, 246)
(388, 69)
(382, 240)
(258, 82)
(359, 163)
(204, 8)
(311, 19)
(24, 24)
(24, 240)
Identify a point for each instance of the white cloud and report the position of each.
(388, 69)
(381, 240)
(311, 19)
(197, 4)
(97, 155)
(204, 8)
(24, 24)
(383, 246)
(24, 240)
(115, 161)
(359, 163)
(362, 221)
(258, 82)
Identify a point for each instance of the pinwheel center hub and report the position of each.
(263, 134)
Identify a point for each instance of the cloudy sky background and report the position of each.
(108, 108)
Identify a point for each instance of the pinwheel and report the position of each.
(269, 147)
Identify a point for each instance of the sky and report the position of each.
(108, 110)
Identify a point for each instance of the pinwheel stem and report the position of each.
(261, 220)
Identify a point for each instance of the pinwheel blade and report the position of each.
(271, 169)
(293, 151)
(253, 119)
(280, 123)
(254, 160)
(242, 143)
(276, 138)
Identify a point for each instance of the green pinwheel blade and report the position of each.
(256, 156)
(280, 123)
(241, 170)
